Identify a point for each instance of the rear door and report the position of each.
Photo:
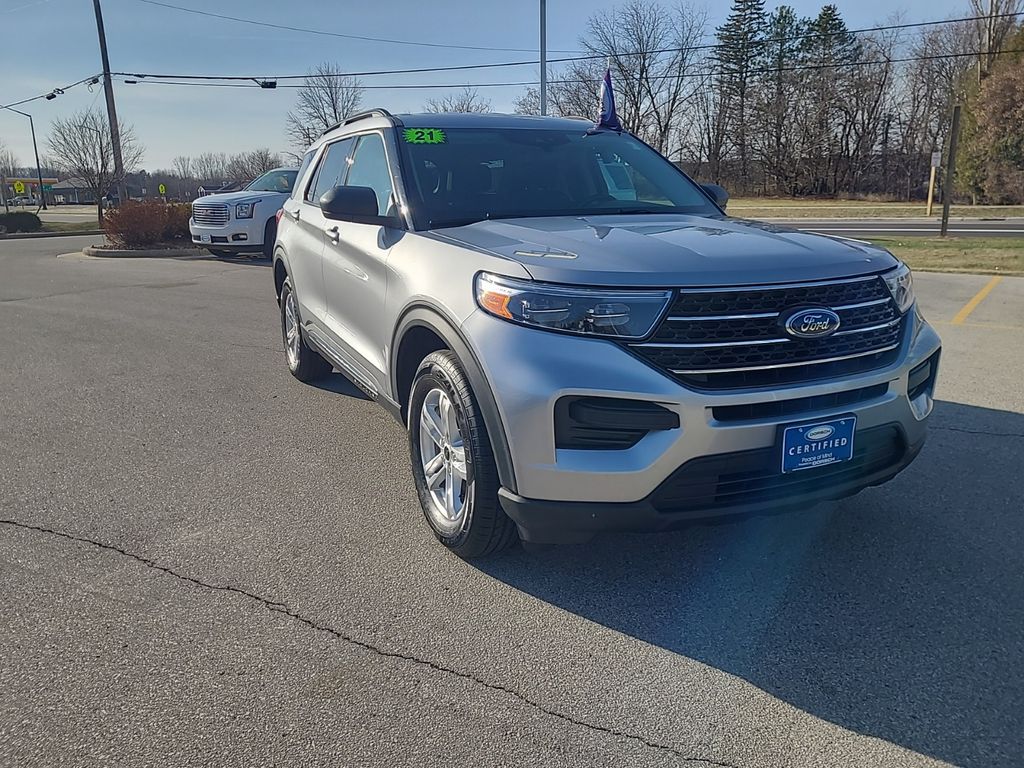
(355, 263)
(305, 252)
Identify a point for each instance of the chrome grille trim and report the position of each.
(210, 214)
(779, 286)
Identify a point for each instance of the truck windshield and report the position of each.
(274, 181)
(467, 174)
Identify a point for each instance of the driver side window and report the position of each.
(370, 169)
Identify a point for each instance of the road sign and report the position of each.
(19, 187)
(163, 189)
(47, 187)
(937, 159)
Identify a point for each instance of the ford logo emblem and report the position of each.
(814, 434)
(813, 323)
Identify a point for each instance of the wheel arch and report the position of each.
(424, 328)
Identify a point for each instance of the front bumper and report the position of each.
(237, 234)
(585, 490)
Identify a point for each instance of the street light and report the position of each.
(39, 171)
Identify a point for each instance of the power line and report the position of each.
(562, 60)
(568, 81)
(52, 93)
(325, 33)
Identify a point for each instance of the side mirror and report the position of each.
(356, 204)
(717, 193)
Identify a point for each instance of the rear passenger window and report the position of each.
(370, 169)
(331, 172)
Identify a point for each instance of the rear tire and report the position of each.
(304, 362)
(452, 461)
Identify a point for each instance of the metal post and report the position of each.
(35, 149)
(947, 185)
(108, 89)
(3, 193)
(543, 57)
(931, 192)
(39, 169)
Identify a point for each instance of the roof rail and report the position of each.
(379, 112)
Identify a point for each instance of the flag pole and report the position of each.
(543, 57)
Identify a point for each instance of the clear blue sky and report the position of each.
(47, 43)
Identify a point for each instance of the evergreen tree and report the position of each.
(829, 49)
(777, 97)
(739, 53)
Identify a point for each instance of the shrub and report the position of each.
(178, 215)
(20, 221)
(136, 225)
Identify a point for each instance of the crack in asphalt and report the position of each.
(978, 432)
(278, 607)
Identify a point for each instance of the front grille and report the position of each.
(752, 477)
(726, 338)
(210, 214)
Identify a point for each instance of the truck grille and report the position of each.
(717, 338)
(210, 214)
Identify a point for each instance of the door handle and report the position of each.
(335, 235)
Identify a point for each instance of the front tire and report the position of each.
(304, 363)
(452, 462)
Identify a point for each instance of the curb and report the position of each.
(33, 235)
(139, 254)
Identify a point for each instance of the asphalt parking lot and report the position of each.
(204, 562)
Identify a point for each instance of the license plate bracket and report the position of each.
(817, 443)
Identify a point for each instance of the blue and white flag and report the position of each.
(608, 120)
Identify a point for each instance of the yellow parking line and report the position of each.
(979, 297)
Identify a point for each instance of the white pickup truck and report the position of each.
(244, 221)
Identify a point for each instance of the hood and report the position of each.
(668, 250)
(243, 195)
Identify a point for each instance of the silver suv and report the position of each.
(579, 339)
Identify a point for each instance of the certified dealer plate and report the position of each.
(205, 238)
(815, 445)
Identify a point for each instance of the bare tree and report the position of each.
(997, 22)
(211, 166)
(466, 100)
(8, 162)
(326, 98)
(183, 166)
(246, 166)
(80, 146)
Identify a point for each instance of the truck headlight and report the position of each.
(589, 311)
(901, 286)
(244, 210)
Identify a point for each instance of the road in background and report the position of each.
(868, 228)
(205, 562)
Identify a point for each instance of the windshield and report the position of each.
(475, 174)
(274, 181)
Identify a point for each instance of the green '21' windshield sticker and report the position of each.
(424, 136)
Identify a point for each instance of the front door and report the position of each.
(355, 263)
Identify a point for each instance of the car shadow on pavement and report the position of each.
(339, 384)
(898, 613)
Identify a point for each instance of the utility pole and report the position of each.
(947, 186)
(543, 56)
(108, 89)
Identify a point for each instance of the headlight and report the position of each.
(901, 286)
(590, 311)
(244, 210)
